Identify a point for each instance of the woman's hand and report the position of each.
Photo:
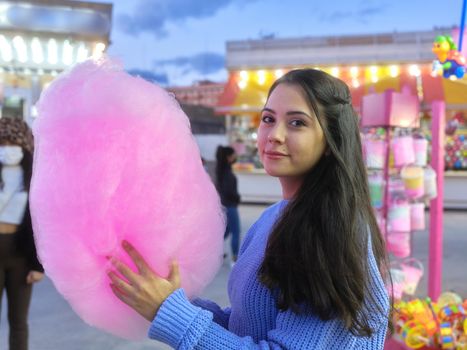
(34, 276)
(143, 291)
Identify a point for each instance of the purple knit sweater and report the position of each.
(253, 321)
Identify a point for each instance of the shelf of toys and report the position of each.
(401, 184)
(400, 179)
(456, 142)
(399, 151)
(455, 154)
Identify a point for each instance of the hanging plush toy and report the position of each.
(115, 160)
(450, 61)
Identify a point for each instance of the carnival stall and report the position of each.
(440, 320)
(405, 63)
(38, 40)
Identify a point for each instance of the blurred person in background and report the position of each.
(226, 184)
(19, 266)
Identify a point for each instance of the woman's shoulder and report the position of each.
(264, 223)
(275, 209)
(271, 213)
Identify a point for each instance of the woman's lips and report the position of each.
(274, 155)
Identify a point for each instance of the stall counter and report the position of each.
(455, 189)
(255, 186)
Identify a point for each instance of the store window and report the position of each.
(13, 107)
(456, 140)
(455, 149)
(243, 136)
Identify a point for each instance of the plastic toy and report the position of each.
(450, 61)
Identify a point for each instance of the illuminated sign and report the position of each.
(72, 20)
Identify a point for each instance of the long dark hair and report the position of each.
(317, 253)
(222, 162)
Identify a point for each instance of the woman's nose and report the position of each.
(277, 134)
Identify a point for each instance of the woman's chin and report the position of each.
(273, 171)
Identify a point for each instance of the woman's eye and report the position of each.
(297, 122)
(267, 119)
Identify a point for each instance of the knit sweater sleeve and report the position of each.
(185, 326)
(220, 316)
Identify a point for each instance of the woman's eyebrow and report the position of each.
(265, 109)
(299, 112)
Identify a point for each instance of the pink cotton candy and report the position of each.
(115, 159)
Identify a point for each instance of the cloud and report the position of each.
(152, 15)
(362, 13)
(203, 63)
(159, 78)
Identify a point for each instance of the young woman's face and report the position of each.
(290, 138)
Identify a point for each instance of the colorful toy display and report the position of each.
(449, 61)
(456, 152)
(455, 142)
(410, 181)
(424, 324)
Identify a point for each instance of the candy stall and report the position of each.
(404, 62)
(402, 183)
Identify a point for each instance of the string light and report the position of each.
(374, 74)
(278, 73)
(52, 56)
(98, 50)
(393, 71)
(354, 72)
(37, 53)
(20, 48)
(261, 77)
(414, 70)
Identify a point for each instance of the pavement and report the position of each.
(55, 326)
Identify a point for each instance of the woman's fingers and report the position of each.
(143, 291)
(122, 285)
(121, 295)
(124, 270)
(143, 267)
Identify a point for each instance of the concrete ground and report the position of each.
(54, 325)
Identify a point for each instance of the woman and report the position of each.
(19, 267)
(226, 184)
(309, 271)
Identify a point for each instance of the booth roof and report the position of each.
(251, 98)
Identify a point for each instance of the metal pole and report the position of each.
(461, 33)
(435, 263)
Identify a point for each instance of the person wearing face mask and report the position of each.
(19, 266)
(226, 184)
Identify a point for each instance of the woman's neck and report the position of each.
(290, 186)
